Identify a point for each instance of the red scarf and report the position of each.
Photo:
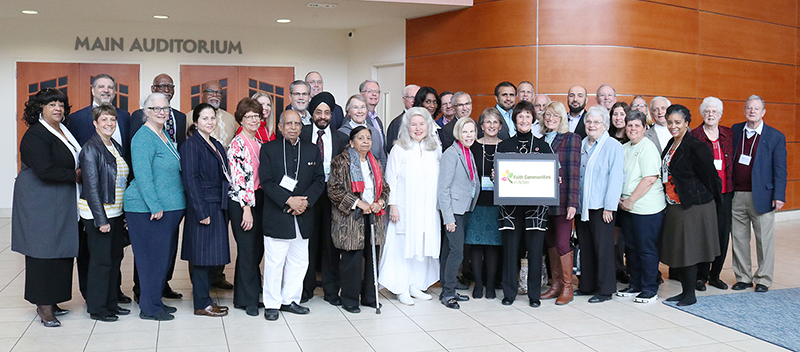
(357, 183)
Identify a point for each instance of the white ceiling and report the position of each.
(348, 14)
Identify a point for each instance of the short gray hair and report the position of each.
(148, 101)
(405, 90)
(404, 140)
(605, 85)
(358, 97)
(598, 111)
(460, 94)
(363, 86)
(657, 98)
(710, 101)
(756, 97)
(297, 83)
(104, 75)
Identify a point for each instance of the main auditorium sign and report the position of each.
(190, 46)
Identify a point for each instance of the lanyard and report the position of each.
(169, 146)
(224, 166)
(285, 170)
(744, 136)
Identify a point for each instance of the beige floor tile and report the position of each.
(127, 324)
(323, 330)
(507, 347)
(418, 341)
(617, 342)
(258, 333)
(567, 344)
(720, 333)
(674, 337)
(501, 317)
(526, 332)
(717, 347)
(386, 326)
(191, 338)
(353, 344)
(285, 346)
(220, 348)
(13, 329)
(68, 327)
(584, 327)
(638, 321)
(472, 337)
(445, 322)
(6, 344)
(755, 345)
(185, 322)
(52, 343)
(550, 313)
(122, 341)
(18, 314)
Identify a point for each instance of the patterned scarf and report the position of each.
(357, 177)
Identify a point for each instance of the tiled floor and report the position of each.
(480, 325)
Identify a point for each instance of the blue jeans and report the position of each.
(641, 234)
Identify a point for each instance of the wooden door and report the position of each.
(237, 82)
(74, 79)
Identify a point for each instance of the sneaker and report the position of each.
(406, 299)
(646, 297)
(628, 291)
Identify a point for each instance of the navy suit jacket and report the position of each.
(340, 140)
(81, 125)
(769, 166)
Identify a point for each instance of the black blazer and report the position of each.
(580, 129)
(138, 118)
(339, 139)
(310, 183)
(203, 177)
(446, 134)
(99, 176)
(692, 169)
(44, 153)
(82, 127)
(393, 132)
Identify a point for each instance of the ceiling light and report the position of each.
(30, 12)
(160, 17)
(283, 20)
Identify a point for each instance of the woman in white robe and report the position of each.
(410, 258)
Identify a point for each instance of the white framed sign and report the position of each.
(526, 179)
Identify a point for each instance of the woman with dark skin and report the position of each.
(428, 98)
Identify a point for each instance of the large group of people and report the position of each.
(321, 187)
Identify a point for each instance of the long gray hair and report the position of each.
(404, 140)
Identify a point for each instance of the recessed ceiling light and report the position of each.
(30, 12)
(160, 17)
(283, 20)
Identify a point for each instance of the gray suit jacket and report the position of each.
(457, 193)
(652, 135)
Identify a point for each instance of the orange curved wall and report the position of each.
(683, 49)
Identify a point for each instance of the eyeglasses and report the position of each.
(636, 106)
(214, 92)
(371, 91)
(299, 94)
(158, 109)
(164, 86)
(590, 122)
(252, 117)
(462, 105)
(315, 82)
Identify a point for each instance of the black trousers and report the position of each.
(201, 286)
(82, 261)
(596, 238)
(451, 256)
(357, 274)
(534, 241)
(249, 253)
(170, 268)
(106, 250)
(711, 271)
(322, 251)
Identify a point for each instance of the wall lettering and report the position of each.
(159, 45)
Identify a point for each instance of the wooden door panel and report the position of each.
(274, 81)
(747, 39)
(730, 79)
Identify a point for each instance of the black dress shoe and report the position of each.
(490, 294)
(169, 293)
(271, 314)
(251, 311)
(451, 303)
(623, 277)
(741, 286)
(507, 301)
(477, 292)
(122, 298)
(163, 316)
(354, 310)
(700, 286)
(304, 299)
(106, 318)
(170, 309)
(371, 305)
(582, 293)
(335, 301)
(761, 288)
(599, 298)
(718, 284)
(535, 304)
(461, 298)
(223, 284)
(294, 308)
(58, 311)
(123, 311)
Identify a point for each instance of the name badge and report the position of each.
(718, 164)
(744, 160)
(487, 184)
(288, 183)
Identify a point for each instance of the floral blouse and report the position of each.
(243, 179)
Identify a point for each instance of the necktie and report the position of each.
(170, 127)
(320, 144)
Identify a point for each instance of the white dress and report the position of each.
(410, 256)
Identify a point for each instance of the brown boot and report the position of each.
(566, 269)
(555, 269)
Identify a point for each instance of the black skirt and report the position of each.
(48, 281)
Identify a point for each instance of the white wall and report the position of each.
(344, 62)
